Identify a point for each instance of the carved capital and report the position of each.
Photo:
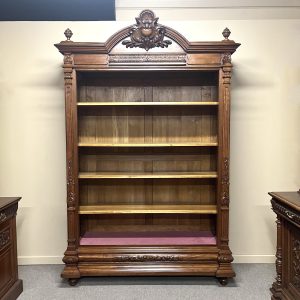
(146, 33)
(68, 59)
(68, 68)
(4, 238)
(226, 58)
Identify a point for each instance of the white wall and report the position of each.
(265, 126)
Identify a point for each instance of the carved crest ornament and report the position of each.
(146, 33)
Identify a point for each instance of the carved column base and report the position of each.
(225, 268)
(71, 270)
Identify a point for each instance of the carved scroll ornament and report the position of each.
(146, 33)
(296, 262)
(225, 183)
(143, 258)
(285, 212)
(71, 186)
(4, 239)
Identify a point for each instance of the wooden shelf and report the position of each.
(203, 144)
(145, 175)
(148, 209)
(199, 103)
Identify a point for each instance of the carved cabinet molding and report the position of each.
(286, 205)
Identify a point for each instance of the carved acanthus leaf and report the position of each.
(296, 262)
(146, 33)
(225, 183)
(70, 185)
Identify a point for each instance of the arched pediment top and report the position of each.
(147, 34)
(125, 33)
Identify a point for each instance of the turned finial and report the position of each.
(226, 33)
(68, 34)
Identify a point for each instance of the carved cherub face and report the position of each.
(146, 22)
(146, 33)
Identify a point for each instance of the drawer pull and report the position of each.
(3, 217)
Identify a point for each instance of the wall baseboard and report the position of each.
(40, 260)
(254, 259)
(57, 260)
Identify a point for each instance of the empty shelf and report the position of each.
(147, 209)
(144, 175)
(203, 144)
(186, 103)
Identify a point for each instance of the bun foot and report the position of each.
(223, 281)
(73, 281)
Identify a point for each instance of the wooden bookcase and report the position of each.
(147, 154)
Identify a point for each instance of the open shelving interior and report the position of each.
(147, 146)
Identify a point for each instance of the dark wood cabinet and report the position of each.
(286, 205)
(147, 154)
(10, 286)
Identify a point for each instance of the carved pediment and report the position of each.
(146, 33)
